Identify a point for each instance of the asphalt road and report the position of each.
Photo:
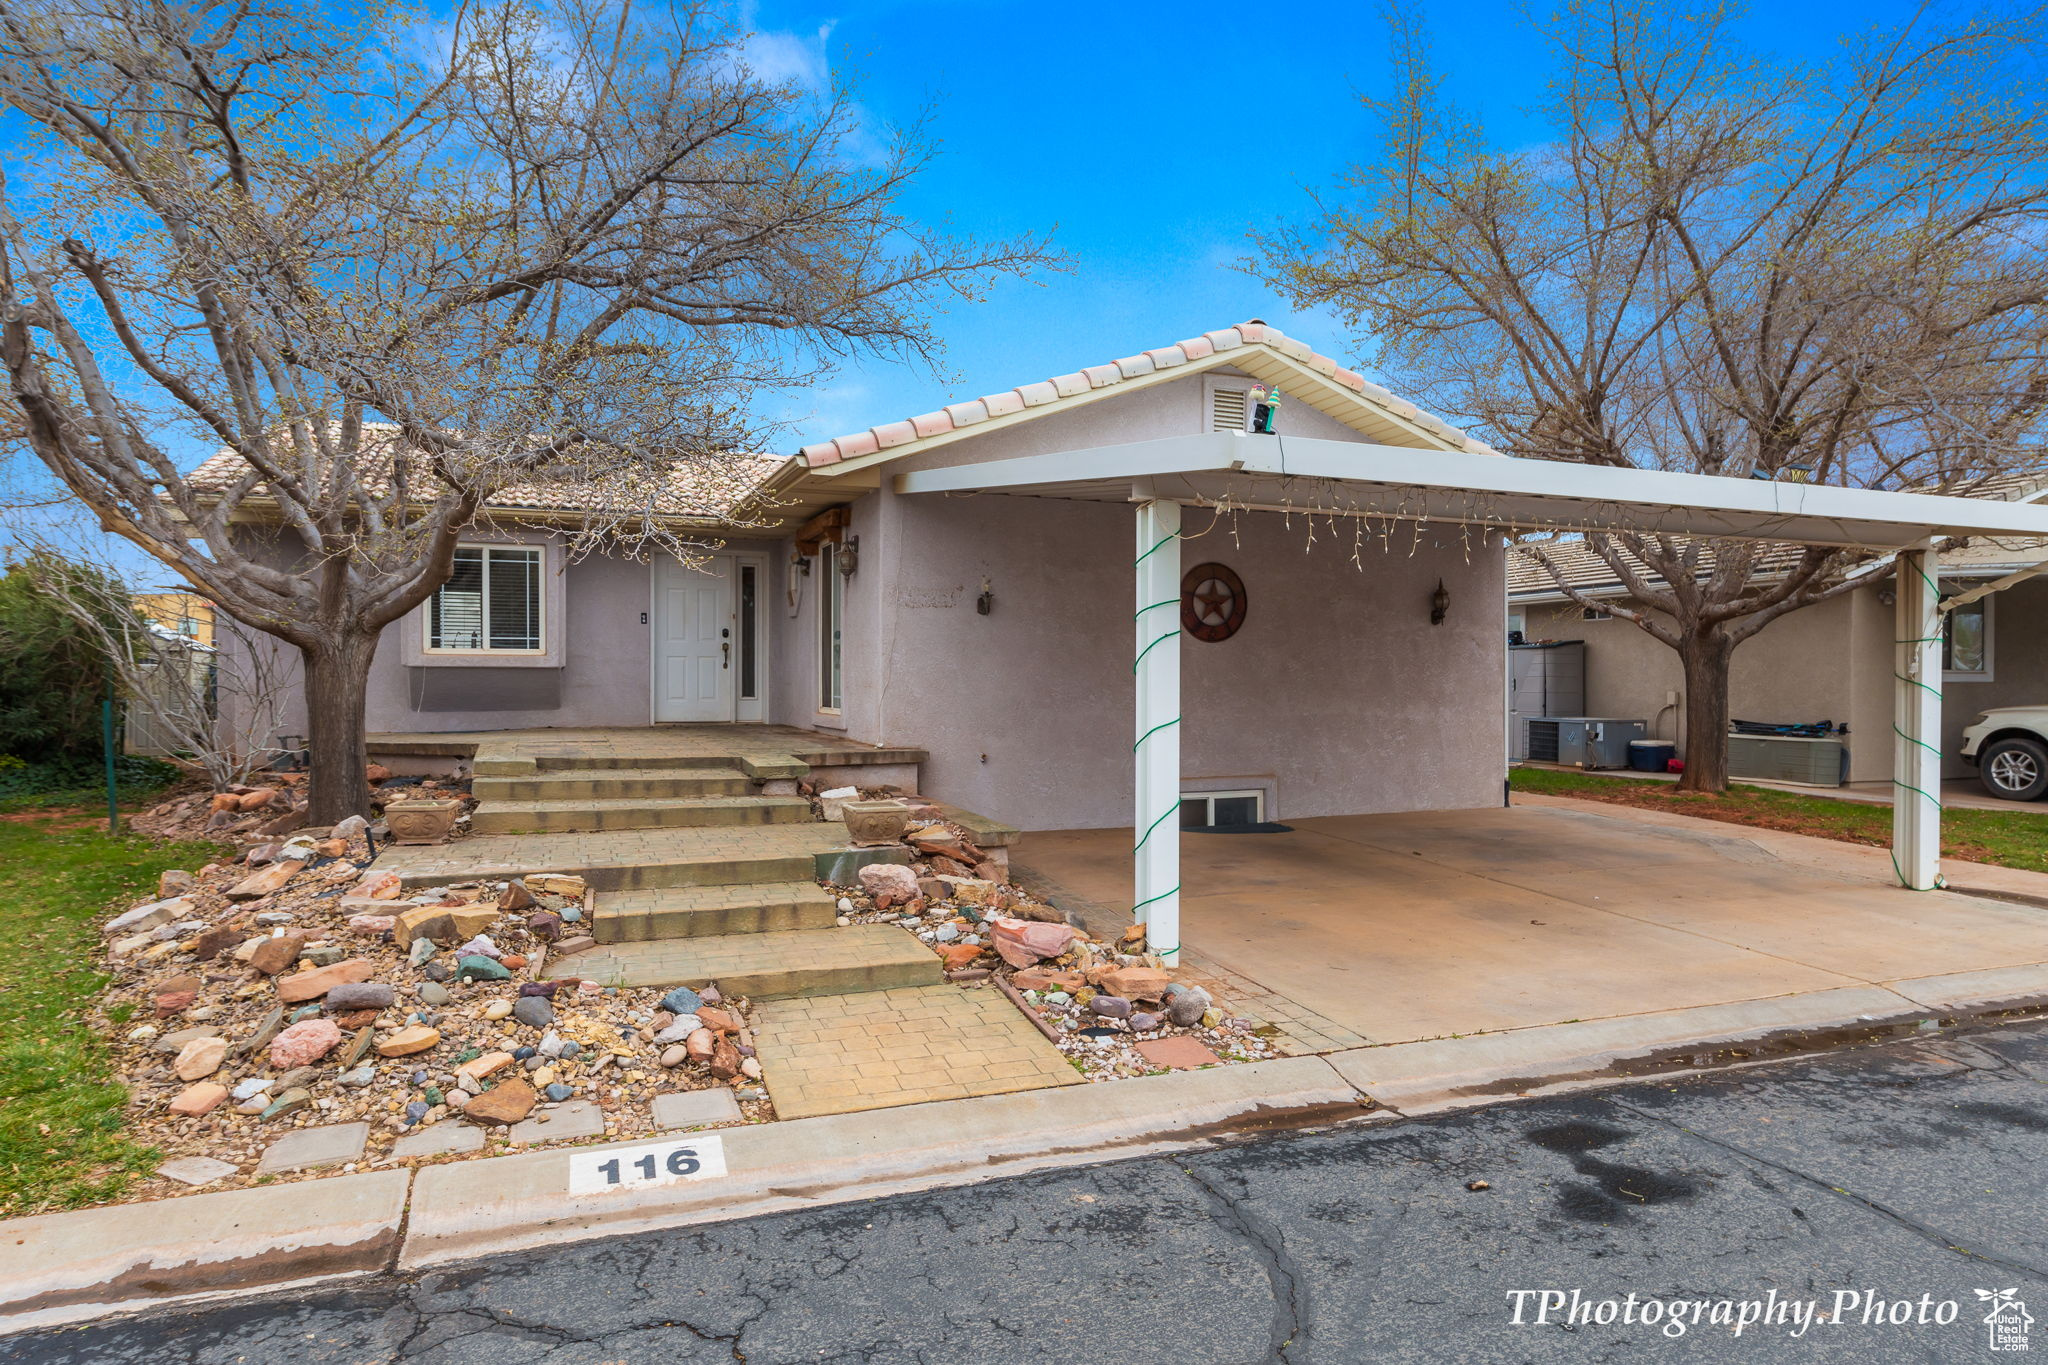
(1914, 1174)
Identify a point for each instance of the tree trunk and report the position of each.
(1704, 654)
(337, 679)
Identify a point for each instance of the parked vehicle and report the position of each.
(2009, 746)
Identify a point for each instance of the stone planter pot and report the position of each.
(422, 822)
(875, 822)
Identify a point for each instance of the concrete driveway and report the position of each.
(1429, 925)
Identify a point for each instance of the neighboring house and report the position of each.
(181, 613)
(1832, 661)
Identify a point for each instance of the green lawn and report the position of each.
(2018, 838)
(61, 1140)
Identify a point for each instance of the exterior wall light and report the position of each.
(985, 603)
(848, 556)
(1439, 604)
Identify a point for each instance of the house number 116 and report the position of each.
(655, 1163)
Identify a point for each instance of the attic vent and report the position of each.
(1227, 409)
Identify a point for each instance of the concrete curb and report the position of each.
(470, 1209)
(66, 1267)
(1455, 1073)
(1979, 992)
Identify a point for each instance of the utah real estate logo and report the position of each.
(2008, 1320)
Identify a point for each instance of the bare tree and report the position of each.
(214, 711)
(393, 273)
(1718, 263)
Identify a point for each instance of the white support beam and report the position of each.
(1155, 752)
(1916, 782)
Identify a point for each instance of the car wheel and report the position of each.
(2015, 769)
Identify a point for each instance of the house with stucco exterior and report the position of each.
(1831, 662)
(1223, 582)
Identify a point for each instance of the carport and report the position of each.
(1391, 485)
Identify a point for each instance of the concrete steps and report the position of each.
(709, 911)
(767, 966)
(637, 812)
(625, 860)
(612, 784)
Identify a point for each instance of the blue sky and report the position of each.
(1152, 140)
(1155, 138)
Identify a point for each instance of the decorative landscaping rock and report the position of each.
(1186, 1007)
(143, 918)
(1136, 983)
(533, 1011)
(476, 968)
(434, 993)
(176, 995)
(316, 983)
(304, 1043)
(200, 1058)
(367, 995)
(197, 1101)
(1111, 1006)
(889, 884)
(290, 1102)
(682, 1000)
(1024, 943)
(505, 1103)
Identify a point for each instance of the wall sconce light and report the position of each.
(1439, 604)
(985, 603)
(800, 563)
(849, 556)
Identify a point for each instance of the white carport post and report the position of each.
(1156, 753)
(1916, 782)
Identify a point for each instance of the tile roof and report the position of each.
(693, 491)
(1202, 352)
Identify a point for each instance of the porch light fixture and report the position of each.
(848, 557)
(985, 603)
(800, 563)
(1439, 604)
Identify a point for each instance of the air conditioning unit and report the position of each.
(1786, 758)
(1582, 741)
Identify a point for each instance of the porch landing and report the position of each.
(1408, 927)
(762, 752)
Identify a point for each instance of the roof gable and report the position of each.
(1262, 351)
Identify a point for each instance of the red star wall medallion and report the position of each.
(1211, 602)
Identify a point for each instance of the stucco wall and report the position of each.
(1337, 694)
(594, 612)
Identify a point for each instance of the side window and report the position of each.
(490, 603)
(1966, 641)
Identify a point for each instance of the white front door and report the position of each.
(693, 621)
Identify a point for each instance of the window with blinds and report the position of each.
(490, 602)
(1228, 409)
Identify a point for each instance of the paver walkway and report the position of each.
(835, 1054)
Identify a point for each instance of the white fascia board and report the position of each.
(1214, 452)
(1551, 492)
